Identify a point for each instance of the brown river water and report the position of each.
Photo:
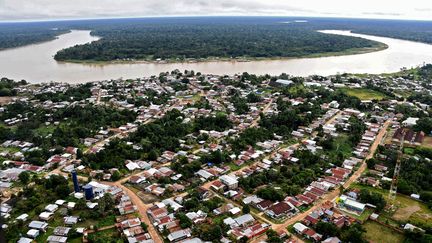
(35, 63)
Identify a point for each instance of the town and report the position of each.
(192, 157)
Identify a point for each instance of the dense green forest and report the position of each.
(20, 34)
(206, 39)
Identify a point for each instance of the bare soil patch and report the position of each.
(405, 212)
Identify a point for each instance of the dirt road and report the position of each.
(335, 193)
(142, 209)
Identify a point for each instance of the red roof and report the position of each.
(280, 208)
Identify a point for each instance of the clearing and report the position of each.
(364, 94)
(405, 209)
(427, 142)
(376, 232)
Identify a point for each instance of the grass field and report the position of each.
(364, 94)
(427, 142)
(406, 209)
(376, 232)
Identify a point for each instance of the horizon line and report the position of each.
(202, 16)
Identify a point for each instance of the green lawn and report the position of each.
(364, 94)
(109, 235)
(45, 130)
(376, 232)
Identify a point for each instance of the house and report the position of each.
(280, 210)
(410, 122)
(218, 186)
(179, 235)
(196, 217)
(24, 240)
(137, 179)
(70, 220)
(45, 216)
(311, 234)
(39, 225)
(332, 240)
(33, 233)
(56, 239)
(263, 205)
(202, 192)
(300, 228)
(129, 223)
(23, 217)
(61, 231)
(244, 220)
(204, 174)
(51, 208)
(229, 181)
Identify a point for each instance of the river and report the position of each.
(35, 63)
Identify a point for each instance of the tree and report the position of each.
(273, 237)
(371, 163)
(246, 209)
(373, 198)
(116, 176)
(327, 229)
(353, 234)
(24, 177)
(424, 124)
(270, 193)
(209, 232)
(63, 190)
(185, 222)
(153, 155)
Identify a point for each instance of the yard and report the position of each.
(364, 94)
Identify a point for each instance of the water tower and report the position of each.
(75, 181)
(88, 192)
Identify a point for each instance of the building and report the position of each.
(351, 205)
(230, 181)
(280, 210)
(179, 235)
(410, 122)
(39, 225)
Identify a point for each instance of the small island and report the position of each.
(189, 41)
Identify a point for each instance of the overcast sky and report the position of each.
(17, 10)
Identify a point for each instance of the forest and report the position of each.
(182, 40)
(19, 34)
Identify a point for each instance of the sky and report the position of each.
(23, 10)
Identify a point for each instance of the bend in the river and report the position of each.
(35, 63)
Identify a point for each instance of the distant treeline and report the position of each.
(21, 34)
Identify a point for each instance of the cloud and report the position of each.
(382, 13)
(423, 9)
(66, 9)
